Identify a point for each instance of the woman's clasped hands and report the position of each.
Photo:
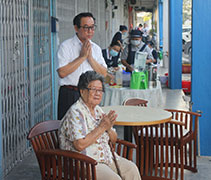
(108, 120)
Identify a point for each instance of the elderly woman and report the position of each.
(87, 129)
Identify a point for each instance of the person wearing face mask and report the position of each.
(118, 36)
(111, 54)
(136, 44)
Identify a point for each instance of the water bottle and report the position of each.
(126, 79)
(118, 77)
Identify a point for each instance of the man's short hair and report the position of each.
(77, 18)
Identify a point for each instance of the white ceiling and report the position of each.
(144, 5)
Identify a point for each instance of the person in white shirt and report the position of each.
(76, 56)
(85, 128)
(145, 31)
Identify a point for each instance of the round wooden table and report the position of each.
(138, 116)
(149, 127)
(129, 116)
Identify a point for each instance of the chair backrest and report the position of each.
(135, 102)
(44, 135)
(61, 164)
(190, 119)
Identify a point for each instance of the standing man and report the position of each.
(136, 44)
(76, 56)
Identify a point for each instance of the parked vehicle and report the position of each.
(186, 36)
(188, 48)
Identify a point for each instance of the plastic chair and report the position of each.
(44, 136)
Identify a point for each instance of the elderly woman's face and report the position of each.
(93, 94)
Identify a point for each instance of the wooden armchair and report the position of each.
(186, 124)
(135, 102)
(164, 151)
(44, 139)
(132, 102)
(44, 135)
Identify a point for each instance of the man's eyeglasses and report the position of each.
(89, 28)
(95, 90)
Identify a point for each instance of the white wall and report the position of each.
(120, 17)
(108, 18)
(165, 32)
(66, 11)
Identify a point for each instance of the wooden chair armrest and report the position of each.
(177, 122)
(124, 148)
(62, 164)
(126, 143)
(190, 112)
(68, 154)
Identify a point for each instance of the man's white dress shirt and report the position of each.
(70, 50)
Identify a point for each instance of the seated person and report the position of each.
(87, 129)
(111, 54)
(136, 44)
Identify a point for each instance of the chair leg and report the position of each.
(190, 156)
(176, 153)
(195, 160)
(182, 164)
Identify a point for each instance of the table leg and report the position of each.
(128, 133)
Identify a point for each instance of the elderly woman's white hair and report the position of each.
(87, 77)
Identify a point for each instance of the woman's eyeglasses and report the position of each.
(95, 90)
(89, 28)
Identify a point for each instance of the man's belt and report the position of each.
(71, 87)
